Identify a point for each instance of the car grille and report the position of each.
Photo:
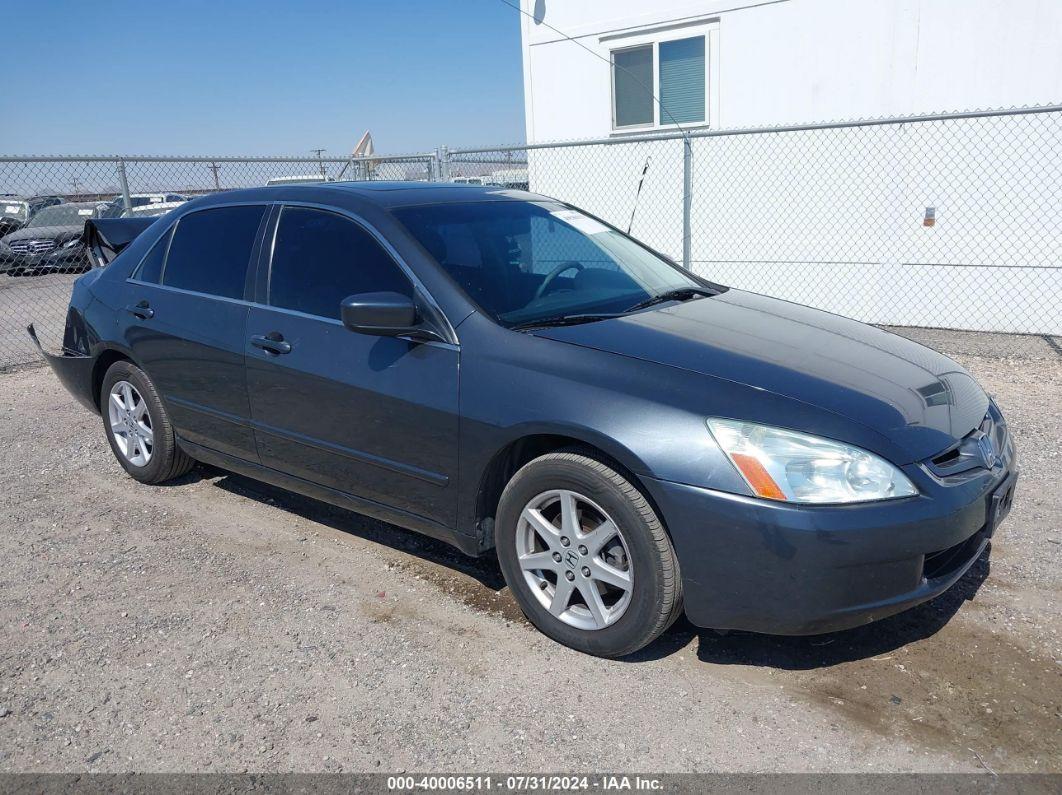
(982, 449)
(31, 246)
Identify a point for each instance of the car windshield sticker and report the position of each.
(584, 223)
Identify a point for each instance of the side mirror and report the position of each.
(380, 314)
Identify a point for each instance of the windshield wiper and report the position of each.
(565, 320)
(681, 294)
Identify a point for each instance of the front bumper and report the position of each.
(786, 569)
(59, 261)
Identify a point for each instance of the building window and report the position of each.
(674, 69)
(632, 80)
(682, 80)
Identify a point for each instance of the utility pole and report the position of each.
(215, 167)
(77, 190)
(320, 163)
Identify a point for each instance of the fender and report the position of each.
(580, 433)
(479, 486)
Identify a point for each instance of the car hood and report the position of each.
(45, 232)
(919, 399)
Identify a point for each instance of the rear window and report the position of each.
(211, 249)
(151, 266)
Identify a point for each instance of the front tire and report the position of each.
(586, 556)
(138, 427)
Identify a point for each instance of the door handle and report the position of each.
(272, 342)
(141, 310)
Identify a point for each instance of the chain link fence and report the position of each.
(947, 221)
(950, 220)
(44, 202)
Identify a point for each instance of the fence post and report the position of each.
(126, 199)
(444, 164)
(687, 203)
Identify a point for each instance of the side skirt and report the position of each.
(340, 499)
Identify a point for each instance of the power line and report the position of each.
(215, 167)
(687, 142)
(320, 163)
(609, 61)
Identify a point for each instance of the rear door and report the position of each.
(185, 318)
(371, 416)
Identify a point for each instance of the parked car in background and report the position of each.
(157, 208)
(306, 179)
(16, 211)
(116, 207)
(515, 178)
(50, 242)
(500, 370)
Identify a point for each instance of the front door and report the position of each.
(375, 417)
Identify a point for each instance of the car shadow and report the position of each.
(484, 570)
(730, 648)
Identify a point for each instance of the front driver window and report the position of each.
(320, 258)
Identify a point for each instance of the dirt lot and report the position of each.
(218, 624)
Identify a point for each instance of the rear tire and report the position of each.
(138, 427)
(608, 600)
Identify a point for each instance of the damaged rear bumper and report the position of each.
(73, 370)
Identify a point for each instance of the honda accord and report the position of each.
(505, 372)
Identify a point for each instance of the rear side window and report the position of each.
(320, 258)
(151, 266)
(211, 249)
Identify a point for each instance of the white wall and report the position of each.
(790, 61)
(833, 218)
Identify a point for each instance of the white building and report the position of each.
(832, 218)
(769, 62)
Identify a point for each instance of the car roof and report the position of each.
(27, 197)
(431, 192)
(82, 204)
(380, 194)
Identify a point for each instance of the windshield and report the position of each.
(61, 215)
(12, 208)
(523, 262)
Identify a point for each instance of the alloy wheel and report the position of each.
(130, 423)
(574, 559)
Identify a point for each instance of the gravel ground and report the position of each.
(218, 624)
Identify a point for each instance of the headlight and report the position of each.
(71, 243)
(785, 465)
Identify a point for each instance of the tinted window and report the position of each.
(151, 266)
(211, 249)
(320, 258)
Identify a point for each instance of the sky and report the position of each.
(237, 77)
